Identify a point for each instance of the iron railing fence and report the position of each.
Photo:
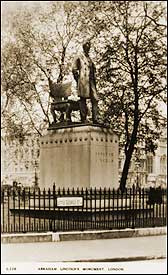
(81, 209)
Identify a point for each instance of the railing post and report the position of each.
(135, 215)
(108, 217)
(44, 193)
(24, 206)
(73, 219)
(8, 196)
(95, 208)
(69, 212)
(60, 218)
(143, 206)
(3, 211)
(87, 220)
(100, 214)
(82, 213)
(139, 205)
(133, 203)
(164, 201)
(49, 208)
(122, 215)
(118, 208)
(113, 209)
(34, 204)
(125, 208)
(163, 215)
(78, 218)
(39, 207)
(29, 200)
(91, 207)
(54, 201)
(14, 221)
(104, 208)
(19, 207)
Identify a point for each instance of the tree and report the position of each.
(132, 68)
(38, 40)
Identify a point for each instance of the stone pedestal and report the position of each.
(83, 156)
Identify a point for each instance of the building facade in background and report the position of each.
(148, 169)
(20, 161)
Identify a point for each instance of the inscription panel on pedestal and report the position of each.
(104, 157)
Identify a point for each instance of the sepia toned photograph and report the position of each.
(83, 137)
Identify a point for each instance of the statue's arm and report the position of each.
(76, 69)
(93, 73)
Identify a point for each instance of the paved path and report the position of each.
(91, 250)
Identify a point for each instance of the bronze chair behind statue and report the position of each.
(65, 107)
(60, 92)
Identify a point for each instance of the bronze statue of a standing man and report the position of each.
(84, 73)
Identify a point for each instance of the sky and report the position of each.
(9, 7)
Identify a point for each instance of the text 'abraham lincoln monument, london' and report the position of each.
(78, 154)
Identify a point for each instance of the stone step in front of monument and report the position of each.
(84, 235)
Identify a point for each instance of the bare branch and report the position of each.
(40, 103)
(30, 117)
(149, 103)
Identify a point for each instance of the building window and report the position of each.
(150, 164)
(163, 164)
(141, 164)
(27, 165)
(120, 163)
(21, 154)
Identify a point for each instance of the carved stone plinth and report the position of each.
(81, 156)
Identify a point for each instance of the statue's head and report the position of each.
(86, 46)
